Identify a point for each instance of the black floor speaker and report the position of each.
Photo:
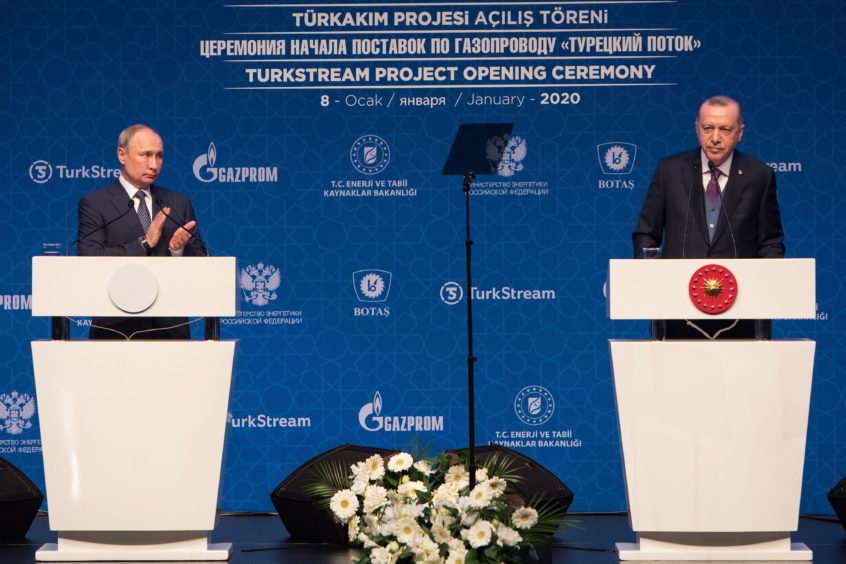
(535, 483)
(19, 501)
(298, 511)
(837, 498)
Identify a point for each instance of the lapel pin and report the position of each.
(740, 171)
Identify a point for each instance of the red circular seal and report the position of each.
(713, 289)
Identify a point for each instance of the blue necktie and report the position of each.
(143, 212)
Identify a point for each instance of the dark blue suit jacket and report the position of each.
(673, 212)
(120, 238)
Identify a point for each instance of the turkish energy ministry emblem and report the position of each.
(16, 410)
(370, 154)
(713, 289)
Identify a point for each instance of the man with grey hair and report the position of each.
(134, 217)
(713, 201)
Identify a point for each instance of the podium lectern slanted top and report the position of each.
(132, 431)
(713, 432)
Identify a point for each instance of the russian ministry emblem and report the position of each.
(508, 152)
(16, 410)
(259, 283)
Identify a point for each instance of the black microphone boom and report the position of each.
(129, 207)
(180, 225)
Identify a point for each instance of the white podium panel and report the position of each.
(189, 286)
(658, 288)
(132, 435)
(713, 441)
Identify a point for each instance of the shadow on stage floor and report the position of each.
(585, 539)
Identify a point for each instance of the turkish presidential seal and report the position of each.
(713, 289)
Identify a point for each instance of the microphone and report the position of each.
(712, 167)
(687, 217)
(129, 207)
(180, 225)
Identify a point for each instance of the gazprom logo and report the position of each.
(616, 158)
(371, 419)
(205, 170)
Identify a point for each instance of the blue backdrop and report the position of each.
(311, 140)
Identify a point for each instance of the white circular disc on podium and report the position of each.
(133, 288)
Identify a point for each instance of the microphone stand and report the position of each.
(471, 360)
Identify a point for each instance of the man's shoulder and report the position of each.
(690, 155)
(748, 162)
(168, 195)
(103, 192)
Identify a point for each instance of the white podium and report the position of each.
(713, 432)
(132, 431)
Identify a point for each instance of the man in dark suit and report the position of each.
(108, 227)
(712, 202)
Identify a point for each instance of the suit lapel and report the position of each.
(697, 196)
(731, 193)
(118, 199)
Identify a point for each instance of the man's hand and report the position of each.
(154, 232)
(181, 237)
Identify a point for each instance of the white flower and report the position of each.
(344, 504)
(352, 528)
(478, 535)
(424, 467)
(381, 555)
(405, 529)
(359, 484)
(445, 496)
(410, 489)
(524, 518)
(441, 533)
(481, 496)
(366, 541)
(374, 467)
(481, 474)
(456, 545)
(456, 555)
(374, 498)
(507, 536)
(457, 476)
(497, 485)
(400, 462)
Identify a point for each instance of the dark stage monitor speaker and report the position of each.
(837, 498)
(19, 501)
(298, 510)
(536, 482)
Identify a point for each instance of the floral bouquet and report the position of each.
(404, 511)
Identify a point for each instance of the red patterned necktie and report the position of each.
(713, 188)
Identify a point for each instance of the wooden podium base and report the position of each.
(710, 547)
(133, 546)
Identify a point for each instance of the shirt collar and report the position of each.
(724, 168)
(131, 190)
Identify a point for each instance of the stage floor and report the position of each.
(588, 539)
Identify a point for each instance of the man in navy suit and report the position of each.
(712, 202)
(107, 227)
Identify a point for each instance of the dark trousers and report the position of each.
(679, 329)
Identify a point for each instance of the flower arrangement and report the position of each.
(402, 510)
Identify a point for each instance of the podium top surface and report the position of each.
(134, 286)
(660, 288)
